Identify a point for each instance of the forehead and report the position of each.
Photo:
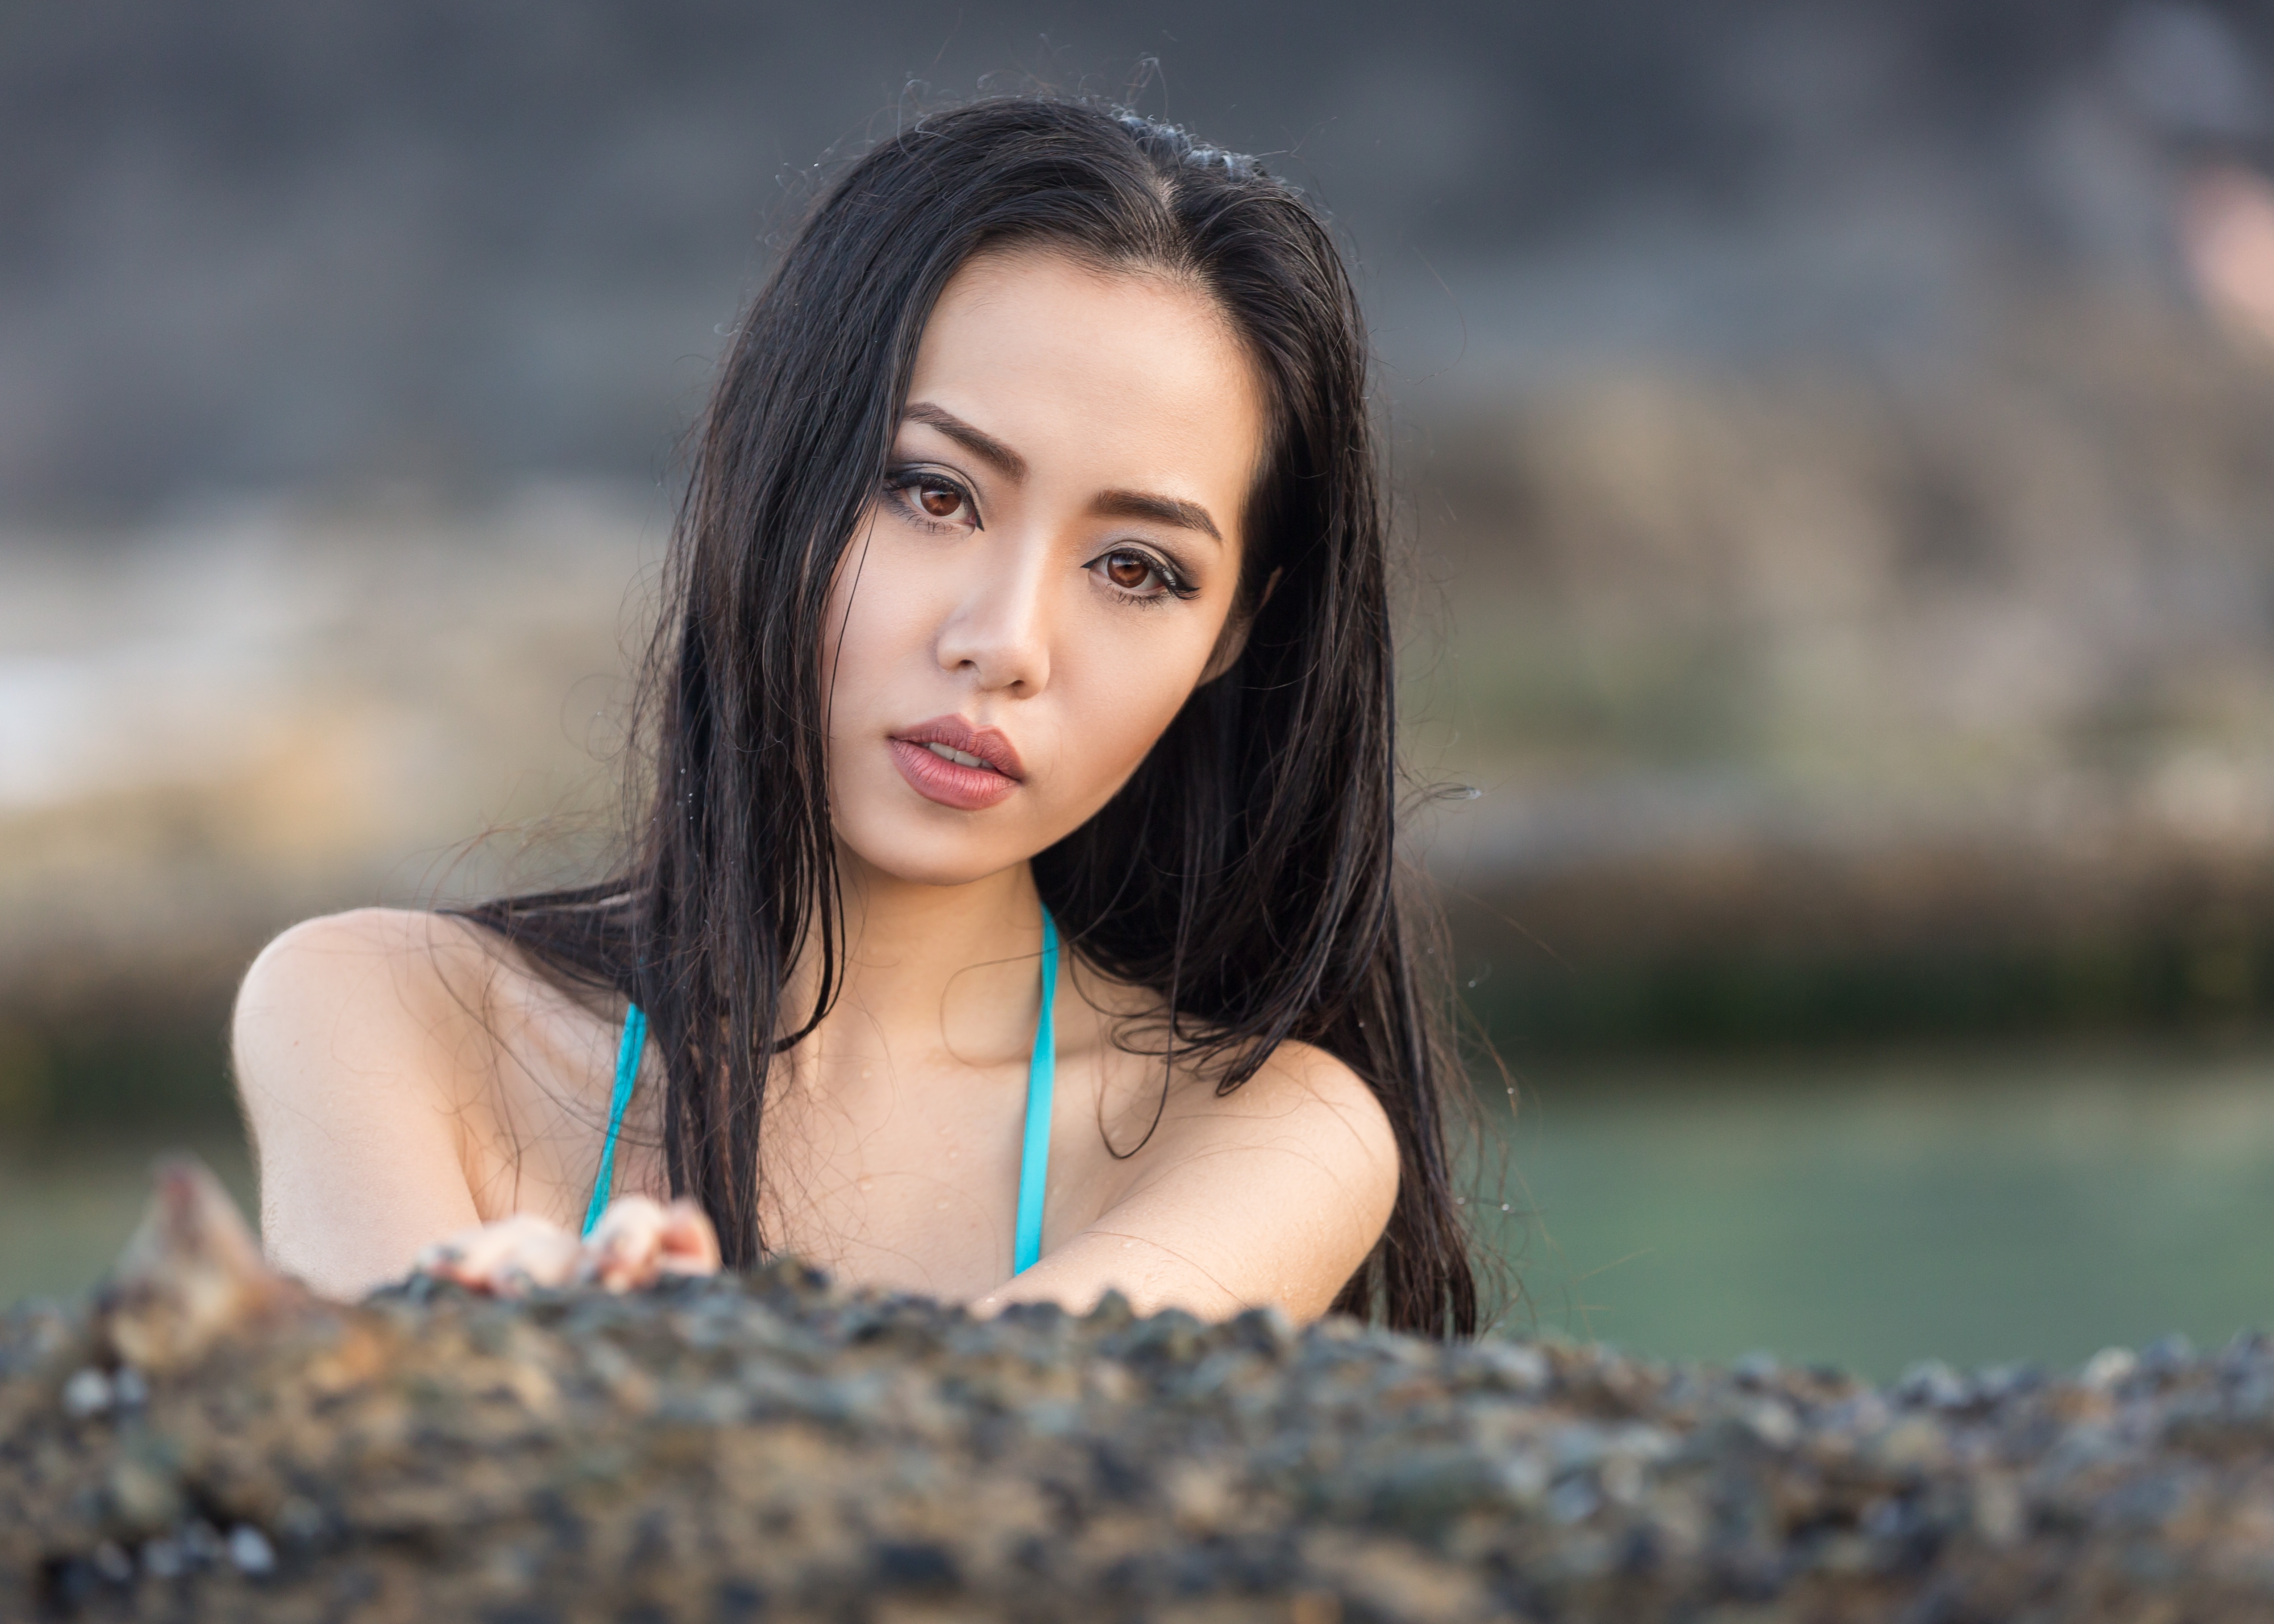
(1119, 378)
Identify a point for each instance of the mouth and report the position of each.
(949, 761)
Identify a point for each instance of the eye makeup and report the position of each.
(1174, 583)
(910, 484)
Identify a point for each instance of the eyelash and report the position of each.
(1173, 584)
(901, 481)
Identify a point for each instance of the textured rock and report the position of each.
(773, 1446)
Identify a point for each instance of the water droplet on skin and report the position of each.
(941, 1206)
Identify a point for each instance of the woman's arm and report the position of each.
(1273, 1194)
(364, 1059)
(356, 1062)
(367, 1059)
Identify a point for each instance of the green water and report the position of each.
(1868, 1212)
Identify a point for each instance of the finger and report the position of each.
(689, 1243)
(471, 1255)
(510, 1255)
(626, 1214)
(546, 1255)
(454, 1250)
(440, 1257)
(621, 1251)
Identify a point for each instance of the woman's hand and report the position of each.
(637, 1242)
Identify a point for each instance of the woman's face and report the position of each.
(1048, 569)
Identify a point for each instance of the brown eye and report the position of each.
(939, 500)
(1129, 571)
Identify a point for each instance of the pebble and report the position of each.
(1757, 1369)
(2103, 1370)
(87, 1393)
(1933, 1383)
(1515, 1366)
(250, 1552)
(1573, 1500)
(2167, 1354)
(770, 1444)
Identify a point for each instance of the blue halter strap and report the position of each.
(628, 1059)
(1042, 1083)
(1034, 1149)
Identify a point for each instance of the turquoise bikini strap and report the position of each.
(628, 1061)
(1042, 1076)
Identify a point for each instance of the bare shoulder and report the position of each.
(1302, 1074)
(1304, 1106)
(369, 1051)
(1309, 1085)
(1274, 1192)
(375, 975)
(399, 999)
(361, 940)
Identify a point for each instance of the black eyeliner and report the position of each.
(907, 476)
(1179, 579)
(1175, 581)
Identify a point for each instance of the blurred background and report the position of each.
(1836, 446)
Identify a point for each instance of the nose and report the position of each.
(997, 630)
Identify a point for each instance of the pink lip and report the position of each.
(952, 784)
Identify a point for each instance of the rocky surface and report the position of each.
(201, 1441)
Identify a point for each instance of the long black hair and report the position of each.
(1247, 874)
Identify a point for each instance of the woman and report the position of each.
(1014, 913)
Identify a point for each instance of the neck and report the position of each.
(931, 967)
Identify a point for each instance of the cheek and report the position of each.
(1117, 701)
(877, 623)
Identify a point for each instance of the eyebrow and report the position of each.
(976, 442)
(1160, 510)
(1108, 504)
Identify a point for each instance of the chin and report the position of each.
(915, 855)
(945, 873)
